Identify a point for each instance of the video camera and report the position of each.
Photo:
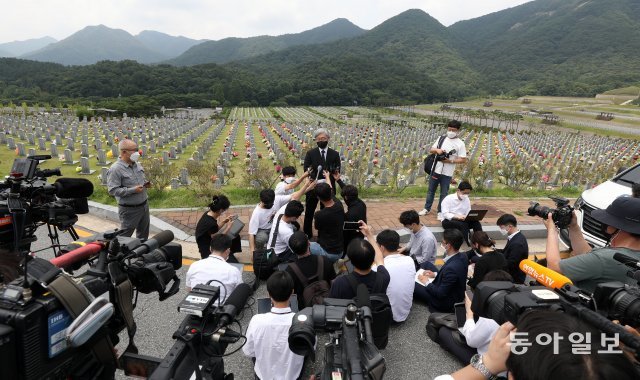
(55, 326)
(503, 301)
(561, 215)
(27, 201)
(201, 339)
(445, 155)
(351, 351)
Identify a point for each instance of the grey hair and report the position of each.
(121, 144)
(321, 131)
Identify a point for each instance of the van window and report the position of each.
(630, 177)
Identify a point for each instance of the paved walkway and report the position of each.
(382, 214)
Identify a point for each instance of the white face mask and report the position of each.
(135, 156)
(289, 180)
(443, 247)
(504, 232)
(463, 196)
(451, 134)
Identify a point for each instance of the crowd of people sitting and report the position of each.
(335, 262)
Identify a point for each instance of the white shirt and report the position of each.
(268, 342)
(479, 334)
(451, 206)
(261, 217)
(284, 232)
(447, 145)
(512, 235)
(280, 187)
(214, 268)
(402, 271)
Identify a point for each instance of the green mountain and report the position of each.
(93, 44)
(412, 40)
(18, 48)
(555, 47)
(167, 45)
(233, 49)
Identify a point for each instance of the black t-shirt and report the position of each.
(341, 288)
(207, 225)
(309, 267)
(329, 223)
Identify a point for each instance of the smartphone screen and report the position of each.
(351, 226)
(461, 313)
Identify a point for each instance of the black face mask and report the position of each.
(322, 144)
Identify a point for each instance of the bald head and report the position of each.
(127, 147)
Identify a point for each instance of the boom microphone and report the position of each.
(78, 254)
(234, 304)
(160, 239)
(72, 188)
(626, 260)
(545, 276)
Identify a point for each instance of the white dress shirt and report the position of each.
(268, 342)
(451, 206)
(285, 230)
(214, 268)
(402, 271)
(261, 217)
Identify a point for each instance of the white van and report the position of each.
(600, 197)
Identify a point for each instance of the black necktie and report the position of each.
(322, 152)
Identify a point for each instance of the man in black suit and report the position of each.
(517, 247)
(442, 290)
(329, 159)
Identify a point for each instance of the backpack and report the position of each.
(430, 161)
(266, 260)
(316, 289)
(381, 314)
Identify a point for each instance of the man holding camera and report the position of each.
(126, 182)
(443, 171)
(329, 222)
(589, 267)
(325, 158)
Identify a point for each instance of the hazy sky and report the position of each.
(209, 19)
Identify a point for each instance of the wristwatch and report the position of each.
(476, 362)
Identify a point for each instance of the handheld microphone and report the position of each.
(234, 304)
(78, 254)
(545, 276)
(72, 188)
(159, 240)
(626, 260)
(319, 171)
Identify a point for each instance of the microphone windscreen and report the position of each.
(544, 275)
(627, 260)
(318, 173)
(163, 237)
(73, 187)
(362, 296)
(238, 298)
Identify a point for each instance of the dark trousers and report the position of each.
(434, 180)
(459, 350)
(463, 226)
(310, 204)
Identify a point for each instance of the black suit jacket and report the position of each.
(516, 250)
(449, 285)
(486, 263)
(313, 158)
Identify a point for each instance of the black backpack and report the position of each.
(266, 260)
(381, 313)
(430, 161)
(316, 288)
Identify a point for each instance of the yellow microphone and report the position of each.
(545, 276)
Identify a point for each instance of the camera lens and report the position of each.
(302, 336)
(538, 210)
(625, 307)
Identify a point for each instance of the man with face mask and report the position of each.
(126, 182)
(517, 247)
(588, 267)
(325, 159)
(443, 171)
(289, 181)
(455, 208)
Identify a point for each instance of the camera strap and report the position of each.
(75, 300)
(124, 301)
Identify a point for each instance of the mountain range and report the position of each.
(544, 47)
(18, 48)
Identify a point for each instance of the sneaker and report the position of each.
(440, 216)
(424, 212)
